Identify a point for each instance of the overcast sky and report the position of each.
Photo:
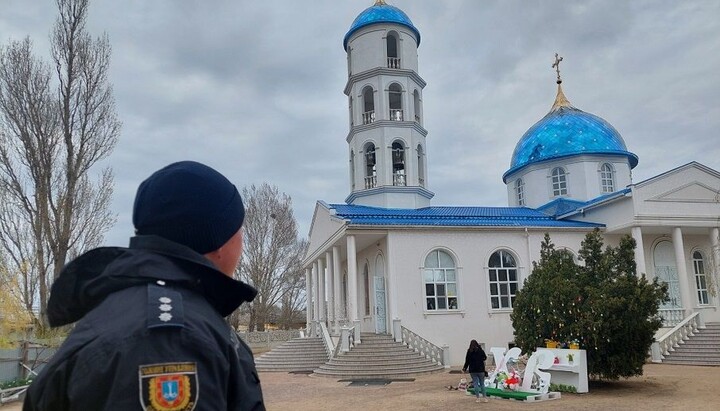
(255, 88)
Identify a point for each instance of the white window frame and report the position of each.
(440, 284)
(496, 281)
(701, 284)
(607, 178)
(558, 181)
(520, 192)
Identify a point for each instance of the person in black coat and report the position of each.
(149, 328)
(475, 364)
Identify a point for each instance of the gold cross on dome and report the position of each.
(556, 66)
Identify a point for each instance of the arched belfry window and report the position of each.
(559, 182)
(352, 169)
(393, 59)
(370, 166)
(520, 191)
(421, 165)
(350, 110)
(398, 163)
(416, 105)
(395, 99)
(607, 178)
(368, 99)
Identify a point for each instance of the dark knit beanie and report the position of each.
(189, 203)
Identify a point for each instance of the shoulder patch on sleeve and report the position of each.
(164, 307)
(169, 386)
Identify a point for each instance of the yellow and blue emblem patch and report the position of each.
(168, 386)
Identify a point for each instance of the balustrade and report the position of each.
(393, 62)
(368, 117)
(371, 182)
(399, 180)
(681, 332)
(396, 114)
(422, 346)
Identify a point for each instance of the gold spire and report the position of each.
(379, 2)
(560, 99)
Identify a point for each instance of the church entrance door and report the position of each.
(380, 312)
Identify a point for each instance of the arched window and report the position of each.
(503, 276)
(370, 166)
(416, 105)
(520, 191)
(607, 178)
(398, 163)
(559, 181)
(440, 281)
(352, 169)
(393, 59)
(395, 99)
(366, 286)
(700, 279)
(368, 96)
(350, 110)
(421, 165)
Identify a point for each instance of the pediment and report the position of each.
(693, 192)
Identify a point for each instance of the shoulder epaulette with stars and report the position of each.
(165, 307)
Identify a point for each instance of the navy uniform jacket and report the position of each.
(150, 334)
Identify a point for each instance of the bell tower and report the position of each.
(387, 151)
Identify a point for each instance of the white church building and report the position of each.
(387, 261)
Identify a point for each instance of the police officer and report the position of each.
(149, 332)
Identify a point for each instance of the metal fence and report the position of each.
(23, 361)
(268, 339)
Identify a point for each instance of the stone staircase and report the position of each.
(298, 354)
(378, 356)
(703, 348)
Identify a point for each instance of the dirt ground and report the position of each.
(662, 387)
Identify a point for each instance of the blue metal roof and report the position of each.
(560, 206)
(380, 13)
(563, 206)
(453, 216)
(567, 131)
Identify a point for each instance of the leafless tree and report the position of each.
(272, 252)
(57, 121)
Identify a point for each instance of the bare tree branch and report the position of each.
(272, 253)
(53, 132)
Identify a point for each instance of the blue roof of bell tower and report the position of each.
(567, 131)
(380, 13)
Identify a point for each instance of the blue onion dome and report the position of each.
(378, 13)
(567, 131)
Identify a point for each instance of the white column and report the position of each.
(682, 270)
(330, 290)
(352, 279)
(639, 251)
(715, 251)
(316, 294)
(337, 287)
(308, 296)
(391, 287)
(321, 289)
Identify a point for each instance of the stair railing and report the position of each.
(425, 347)
(347, 340)
(325, 335)
(671, 339)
